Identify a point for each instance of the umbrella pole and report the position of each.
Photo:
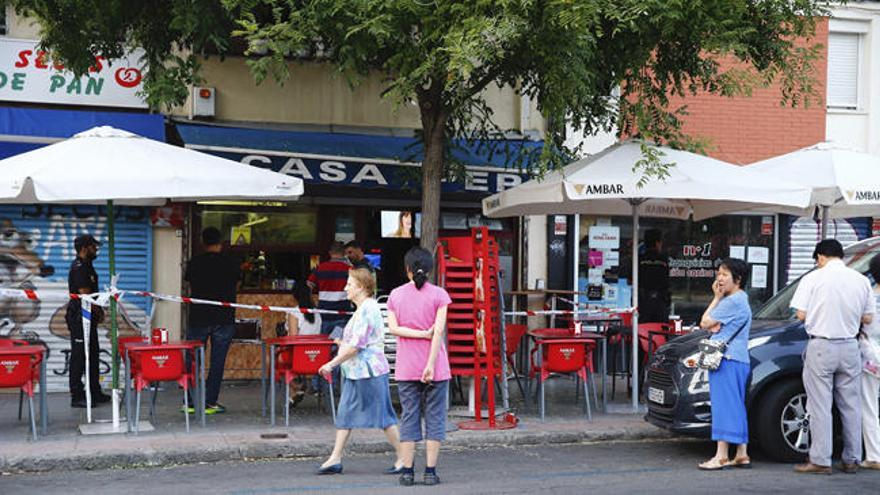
(635, 305)
(114, 327)
(824, 227)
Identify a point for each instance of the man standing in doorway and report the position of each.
(214, 276)
(83, 279)
(354, 251)
(329, 279)
(654, 296)
(833, 301)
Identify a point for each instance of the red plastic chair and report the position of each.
(659, 333)
(21, 372)
(564, 356)
(514, 334)
(159, 365)
(6, 342)
(303, 357)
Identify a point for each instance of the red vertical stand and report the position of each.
(468, 268)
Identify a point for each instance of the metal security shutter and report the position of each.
(36, 249)
(843, 70)
(805, 234)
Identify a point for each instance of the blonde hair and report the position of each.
(364, 279)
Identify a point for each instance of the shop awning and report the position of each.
(361, 160)
(25, 129)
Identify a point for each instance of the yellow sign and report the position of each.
(241, 236)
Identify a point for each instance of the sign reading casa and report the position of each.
(28, 75)
(361, 172)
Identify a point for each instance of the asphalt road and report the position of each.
(637, 467)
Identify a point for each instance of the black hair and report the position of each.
(874, 268)
(303, 294)
(420, 262)
(354, 244)
(211, 236)
(828, 247)
(652, 236)
(738, 268)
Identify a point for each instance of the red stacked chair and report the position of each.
(302, 357)
(21, 372)
(513, 334)
(564, 356)
(659, 333)
(159, 365)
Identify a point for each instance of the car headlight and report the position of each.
(691, 360)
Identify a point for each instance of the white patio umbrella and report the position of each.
(606, 184)
(109, 166)
(844, 182)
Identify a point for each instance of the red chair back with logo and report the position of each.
(159, 366)
(17, 372)
(302, 358)
(562, 356)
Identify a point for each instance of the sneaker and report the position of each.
(215, 409)
(431, 479)
(297, 398)
(78, 403)
(101, 398)
(190, 409)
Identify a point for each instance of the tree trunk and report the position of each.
(434, 127)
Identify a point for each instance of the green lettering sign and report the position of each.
(74, 86)
(94, 86)
(18, 81)
(55, 82)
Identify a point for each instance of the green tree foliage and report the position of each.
(599, 64)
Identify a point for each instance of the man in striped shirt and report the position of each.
(328, 280)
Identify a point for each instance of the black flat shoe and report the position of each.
(394, 470)
(407, 479)
(431, 479)
(332, 469)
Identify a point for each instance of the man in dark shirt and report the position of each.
(654, 296)
(213, 276)
(354, 251)
(83, 279)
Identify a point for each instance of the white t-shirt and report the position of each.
(306, 328)
(834, 299)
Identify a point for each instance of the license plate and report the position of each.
(656, 395)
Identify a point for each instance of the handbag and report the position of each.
(870, 355)
(712, 352)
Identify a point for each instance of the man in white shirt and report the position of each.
(833, 301)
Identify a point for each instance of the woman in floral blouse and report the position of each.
(366, 400)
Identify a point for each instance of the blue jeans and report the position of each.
(221, 337)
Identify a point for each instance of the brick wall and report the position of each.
(746, 129)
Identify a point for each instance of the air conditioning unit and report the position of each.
(203, 101)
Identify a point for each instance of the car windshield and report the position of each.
(856, 256)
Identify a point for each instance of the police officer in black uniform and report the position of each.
(83, 280)
(654, 297)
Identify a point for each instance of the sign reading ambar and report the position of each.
(598, 189)
(863, 197)
(28, 75)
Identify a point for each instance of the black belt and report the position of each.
(829, 338)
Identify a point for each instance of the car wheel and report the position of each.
(783, 425)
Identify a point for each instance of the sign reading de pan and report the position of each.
(28, 75)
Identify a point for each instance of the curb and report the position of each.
(286, 449)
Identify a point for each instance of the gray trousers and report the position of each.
(832, 373)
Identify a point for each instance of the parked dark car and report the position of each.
(677, 392)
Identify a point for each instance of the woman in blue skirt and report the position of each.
(366, 400)
(729, 319)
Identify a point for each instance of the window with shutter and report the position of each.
(843, 70)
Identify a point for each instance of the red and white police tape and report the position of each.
(102, 298)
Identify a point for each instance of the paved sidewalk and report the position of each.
(242, 433)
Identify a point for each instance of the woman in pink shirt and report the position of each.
(417, 316)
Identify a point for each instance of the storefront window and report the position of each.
(264, 228)
(695, 249)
